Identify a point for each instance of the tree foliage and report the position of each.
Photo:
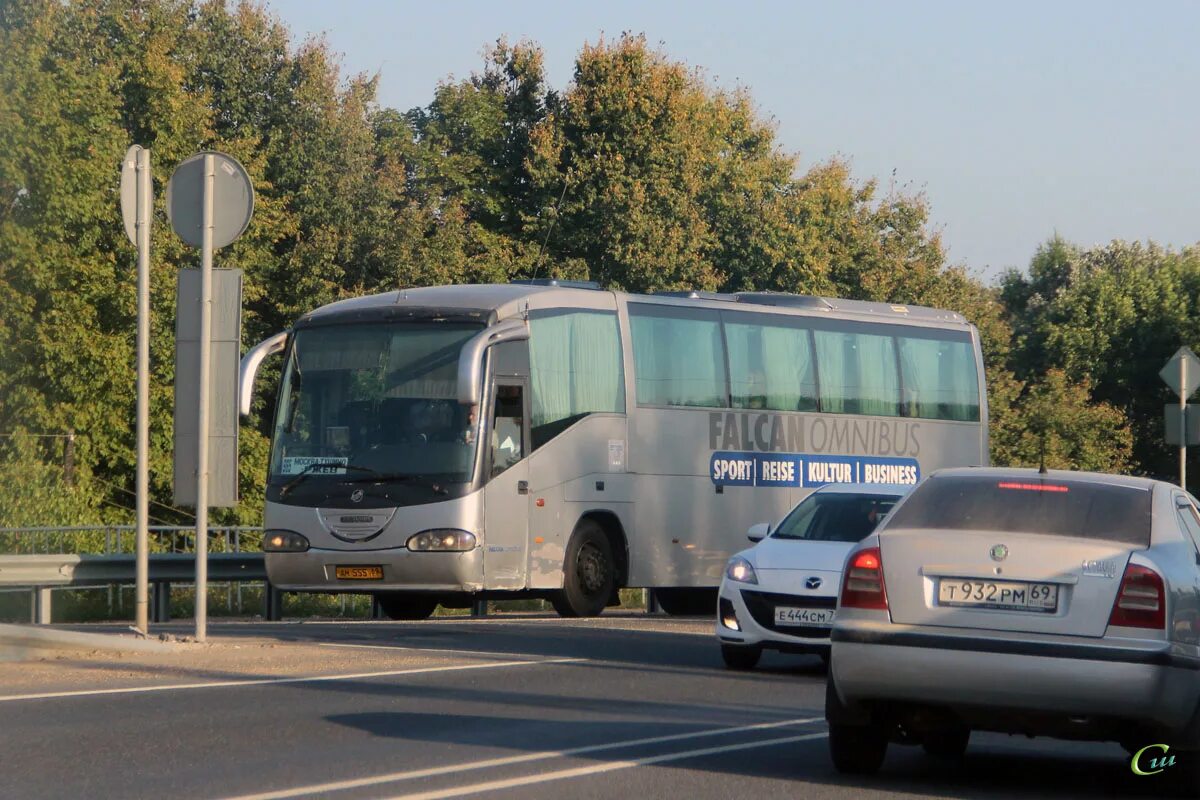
(639, 174)
(1109, 317)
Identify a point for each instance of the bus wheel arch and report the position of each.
(589, 571)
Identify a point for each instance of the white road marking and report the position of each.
(611, 766)
(402, 648)
(272, 681)
(396, 777)
(675, 624)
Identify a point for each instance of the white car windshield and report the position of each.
(833, 517)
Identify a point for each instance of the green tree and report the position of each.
(1055, 419)
(1109, 317)
(78, 83)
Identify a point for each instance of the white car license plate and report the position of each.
(787, 615)
(1009, 595)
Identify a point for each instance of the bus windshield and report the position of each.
(373, 403)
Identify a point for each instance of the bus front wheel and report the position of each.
(404, 605)
(589, 573)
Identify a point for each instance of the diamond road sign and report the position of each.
(1170, 373)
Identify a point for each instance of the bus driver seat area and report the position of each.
(508, 428)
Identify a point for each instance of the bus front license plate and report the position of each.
(786, 615)
(358, 573)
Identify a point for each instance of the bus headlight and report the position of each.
(442, 540)
(284, 542)
(740, 570)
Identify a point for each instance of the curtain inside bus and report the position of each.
(770, 367)
(575, 368)
(939, 379)
(679, 357)
(858, 373)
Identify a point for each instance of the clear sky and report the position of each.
(1016, 119)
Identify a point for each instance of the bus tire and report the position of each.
(687, 602)
(589, 573)
(406, 605)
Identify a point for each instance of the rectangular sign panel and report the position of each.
(225, 352)
(803, 470)
(1171, 423)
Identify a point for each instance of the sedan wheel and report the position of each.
(948, 744)
(740, 657)
(857, 749)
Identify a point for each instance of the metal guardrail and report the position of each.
(43, 572)
(58, 557)
(121, 539)
(90, 570)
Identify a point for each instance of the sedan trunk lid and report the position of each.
(1031, 555)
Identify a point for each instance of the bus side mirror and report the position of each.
(249, 368)
(470, 360)
(758, 531)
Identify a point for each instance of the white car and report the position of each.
(781, 594)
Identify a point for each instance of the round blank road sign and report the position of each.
(233, 199)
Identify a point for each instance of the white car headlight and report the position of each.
(740, 570)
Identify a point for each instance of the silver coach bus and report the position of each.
(553, 439)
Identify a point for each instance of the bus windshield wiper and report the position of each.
(307, 471)
(400, 477)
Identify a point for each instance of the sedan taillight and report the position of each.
(863, 586)
(1141, 602)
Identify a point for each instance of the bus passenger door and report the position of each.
(506, 495)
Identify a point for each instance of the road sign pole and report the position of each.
(142, 544)
(206, 254)
(1182, 374)
(210, 201)
(1183, 371)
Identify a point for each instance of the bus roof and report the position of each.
(491, 302)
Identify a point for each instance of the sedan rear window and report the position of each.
(1035, 504)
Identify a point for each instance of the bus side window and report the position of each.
(507, 428)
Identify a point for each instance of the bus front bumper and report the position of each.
(402, 570)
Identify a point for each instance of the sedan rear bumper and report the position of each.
(1149, 684)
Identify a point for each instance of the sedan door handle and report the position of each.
(522, 487)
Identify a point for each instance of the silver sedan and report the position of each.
(1062, 604)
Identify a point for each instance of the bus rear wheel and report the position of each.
(405, 605)
(589, 573)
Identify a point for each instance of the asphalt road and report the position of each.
(509, 708)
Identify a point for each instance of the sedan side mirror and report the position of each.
(758, 531)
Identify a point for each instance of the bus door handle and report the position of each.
(522, 487)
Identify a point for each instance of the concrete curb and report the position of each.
(27, 642)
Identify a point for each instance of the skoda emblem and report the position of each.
(812, 583)
(999, 552)
(357, 495)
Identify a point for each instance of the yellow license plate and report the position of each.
(358, 573)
